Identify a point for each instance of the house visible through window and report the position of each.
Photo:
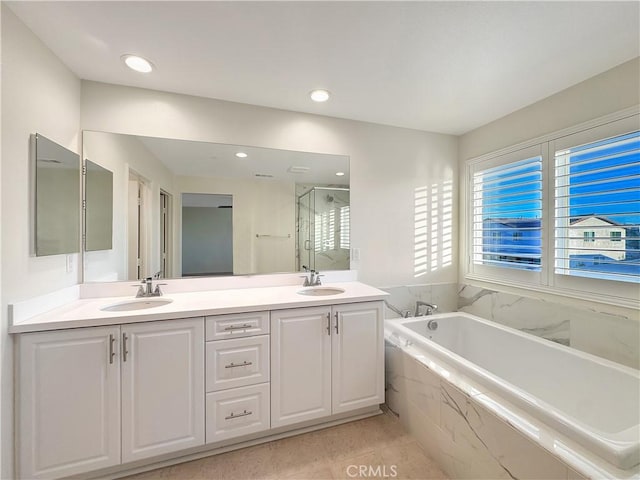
(598, 200)
(507, 212)
(562, 214)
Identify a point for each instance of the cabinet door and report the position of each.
(68, 403)
(357, 356)
(300, 365)
(162, 387)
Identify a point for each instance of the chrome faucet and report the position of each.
(430, 308)
(145, 289)
(312, 278)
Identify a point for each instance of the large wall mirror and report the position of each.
(57, 190)
(183, 208)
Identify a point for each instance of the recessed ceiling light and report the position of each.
(241, 155)
(340, 174)
(139, 64)
(320, 95)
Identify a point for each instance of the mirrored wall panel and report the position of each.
(160, 184)
(57, 192)
(98, 187)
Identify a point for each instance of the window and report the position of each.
(597, 186)
(345, 241)
(507, 211)
(560, 214)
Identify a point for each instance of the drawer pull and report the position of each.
(234, 365)
(111, 352)
(238, 327)
(243, 414)
(125, 352)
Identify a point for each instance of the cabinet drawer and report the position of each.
(237, 363)
(236, 325)
(236, 412)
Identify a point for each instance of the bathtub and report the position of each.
(592, 401)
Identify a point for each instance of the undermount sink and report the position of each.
(320, 291)
(137, 304)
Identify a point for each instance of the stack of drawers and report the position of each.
(237, 375)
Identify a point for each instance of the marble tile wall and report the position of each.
(465, 439)
(614, 337)
(444, 295)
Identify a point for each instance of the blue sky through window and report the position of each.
(597, 184)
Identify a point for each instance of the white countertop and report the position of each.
(87, 312)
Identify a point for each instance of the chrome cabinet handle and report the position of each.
(243, 414)
(125, 352)
(234, 365)
(337, 328)
(329, 324)
(238, 327)
(111, 352)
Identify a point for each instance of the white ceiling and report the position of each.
(437, 66)
(197, 159)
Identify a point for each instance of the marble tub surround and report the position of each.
(404, 297)
(614, 336)
(87, 312)
(474, 433)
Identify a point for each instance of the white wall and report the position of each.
(39, 94)
(609, 92)
(389, 165)
(120, 154)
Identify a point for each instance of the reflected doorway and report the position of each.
(207, 234)
(166, 203)
(138, 235)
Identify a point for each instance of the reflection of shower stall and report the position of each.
(323, 229)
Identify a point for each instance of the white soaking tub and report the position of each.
(592, 401)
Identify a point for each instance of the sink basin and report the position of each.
(137, 304)
(320, 291)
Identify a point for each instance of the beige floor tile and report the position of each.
(306, 452)
(323, 473)
(411, 462)
(376, 447)
(368, 465)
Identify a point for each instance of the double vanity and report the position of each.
(110, 385)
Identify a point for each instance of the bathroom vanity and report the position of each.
(106, 391)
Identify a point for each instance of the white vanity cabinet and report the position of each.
(98, 400)
(237, 375)
(68, 419)
(325, 361)
(100, 396)
(162, 387)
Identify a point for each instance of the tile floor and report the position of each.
(333, 453)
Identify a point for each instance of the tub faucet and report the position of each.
(429, 308)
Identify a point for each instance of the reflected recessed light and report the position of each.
(241, 155)
(340, 174)
(320, 95)
(139, 64)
